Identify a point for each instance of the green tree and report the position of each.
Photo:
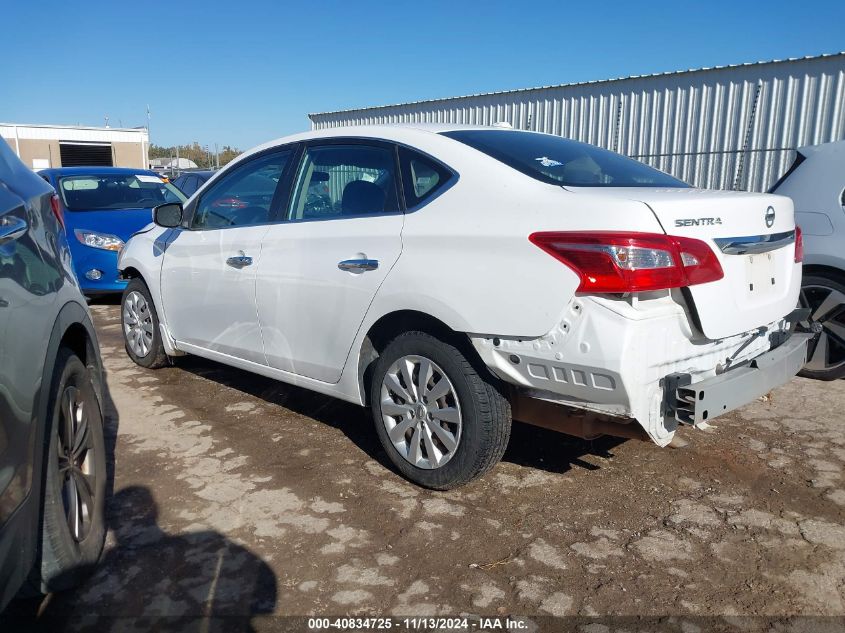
(196, 153)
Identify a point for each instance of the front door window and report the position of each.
(243, 196)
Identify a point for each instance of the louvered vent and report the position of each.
(85, 154)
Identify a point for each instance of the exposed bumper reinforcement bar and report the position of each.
(698, 403)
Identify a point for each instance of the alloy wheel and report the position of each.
(827, 307)
(77, 474)
(137, 324)
(421, 412)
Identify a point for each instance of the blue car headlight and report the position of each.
(102, 241)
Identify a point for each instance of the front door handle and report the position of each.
(240, 261)
(358, 265)
(11, 228)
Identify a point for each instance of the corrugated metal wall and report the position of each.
(725, 128)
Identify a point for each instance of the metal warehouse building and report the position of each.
(42, 146)
(730, 127)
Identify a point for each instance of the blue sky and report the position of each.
(243, 72)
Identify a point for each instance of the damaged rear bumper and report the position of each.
(698, 403)
(619, 359)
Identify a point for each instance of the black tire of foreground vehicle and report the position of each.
(65, 561)
(485, 412)
(156, 358)
(815, 289)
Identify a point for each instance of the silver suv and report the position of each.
(816, 184)
(52, 455)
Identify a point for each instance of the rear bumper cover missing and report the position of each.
(700, 402)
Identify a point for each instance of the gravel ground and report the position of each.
(238, 496)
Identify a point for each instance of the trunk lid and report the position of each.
(752, 234)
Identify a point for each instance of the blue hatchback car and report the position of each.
(102, 207)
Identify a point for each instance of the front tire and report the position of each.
(441, 421)
(825, 296)
(140, 327)
(74, 529)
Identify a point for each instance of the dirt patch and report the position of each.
(253, 479)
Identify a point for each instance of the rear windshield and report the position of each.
(116, 191)
(560, 161)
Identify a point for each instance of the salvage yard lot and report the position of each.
(271, 499)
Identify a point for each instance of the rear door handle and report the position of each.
(239, 261)
(11, 228)
(358, 265)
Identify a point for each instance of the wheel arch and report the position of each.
(389, 326)
(72, 330)
(130, 272)
(824, 271)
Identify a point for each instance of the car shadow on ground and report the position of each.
(529, 446)
(200, 580)
(111, 424)
(111, 299)
(151, 580)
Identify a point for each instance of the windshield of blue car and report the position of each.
(110, 192)
(559, 161)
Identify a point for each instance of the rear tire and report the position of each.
(825, 295)
(73, 530)
(450, 425)
(140, 327)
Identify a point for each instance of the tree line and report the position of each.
(199, 154)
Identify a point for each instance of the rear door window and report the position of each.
(345, 180)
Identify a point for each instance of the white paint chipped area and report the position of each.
(273, 500)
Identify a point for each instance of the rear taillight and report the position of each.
(799, 245)
(631, 262)
(57, 210)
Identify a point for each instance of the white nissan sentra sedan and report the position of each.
(453, 279)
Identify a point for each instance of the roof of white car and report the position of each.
(822, 147)
(399, 132)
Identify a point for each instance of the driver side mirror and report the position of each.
(168, 215)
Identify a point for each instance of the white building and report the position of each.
(42, 146)
(728, 127)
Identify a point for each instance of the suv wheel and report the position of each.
(73, 530)
(441, 422)
(825, 296)
(139, 324)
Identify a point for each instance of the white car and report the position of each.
(454, 278)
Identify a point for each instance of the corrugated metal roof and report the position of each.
(725, 127)
(574, 84)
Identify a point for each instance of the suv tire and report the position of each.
(826, 358)
(72, 541)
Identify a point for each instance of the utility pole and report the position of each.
(149, 143)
